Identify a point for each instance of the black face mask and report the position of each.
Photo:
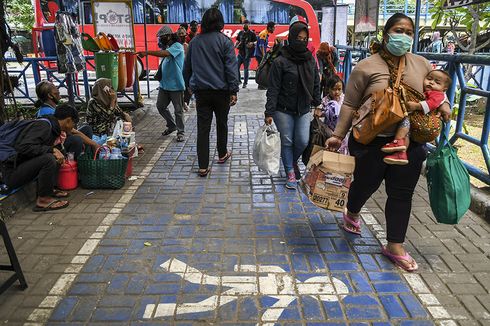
(298, 46)
(193, 29)
(163, 42)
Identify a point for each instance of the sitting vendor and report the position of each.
(48, 97)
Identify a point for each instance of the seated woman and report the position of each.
(48, 98)
(102, 109)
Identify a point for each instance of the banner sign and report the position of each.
(116, 18)
(366, 16)
(460, 3)
(328, 19)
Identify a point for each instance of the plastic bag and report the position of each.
(267, 149)
(118, 129)
(448, 184)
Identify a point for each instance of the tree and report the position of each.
(20, 14)
(476, 19)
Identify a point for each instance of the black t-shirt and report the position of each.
(245, 37)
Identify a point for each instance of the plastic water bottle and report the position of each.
(116, 153)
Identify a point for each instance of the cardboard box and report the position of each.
(327, 180)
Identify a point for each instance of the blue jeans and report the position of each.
(295, 134)
(246, 63)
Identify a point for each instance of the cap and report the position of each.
(298, 19)
(164, 30)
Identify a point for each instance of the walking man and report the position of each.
(263, 41)
(172, 83)
(245, 42)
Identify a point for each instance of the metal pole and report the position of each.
(335, 22)
(146, 50)
(418, 7)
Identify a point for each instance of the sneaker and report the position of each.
(397, 145)
(398, 158)
(244, 86)
(291, 183)
(297, 172)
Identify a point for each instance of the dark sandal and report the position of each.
(224, 158)
(168, 132)
(60, 194)
(50, 207)
(204, 172)
(180, 138)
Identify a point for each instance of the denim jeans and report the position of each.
(295, 134)
(246, 63)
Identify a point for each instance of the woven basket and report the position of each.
(101, 174)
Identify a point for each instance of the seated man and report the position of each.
(36, 157)
(48, 97)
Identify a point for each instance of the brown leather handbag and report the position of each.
(381, 111)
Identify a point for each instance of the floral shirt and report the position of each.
(331, 112)
(102, 119)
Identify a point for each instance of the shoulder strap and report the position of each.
(401, 66)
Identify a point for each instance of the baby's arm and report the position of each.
(414, 106)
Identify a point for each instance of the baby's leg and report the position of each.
(403, 129)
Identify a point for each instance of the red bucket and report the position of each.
(68, 176)
(130, 60)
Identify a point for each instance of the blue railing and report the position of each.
(455, 65)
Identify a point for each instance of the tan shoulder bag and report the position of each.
(381, 111)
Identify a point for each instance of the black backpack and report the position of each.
(263, 71)
(9, 132)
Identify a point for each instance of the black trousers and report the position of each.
(44, 167)
(207, 103)
(400, 182)
(187, 96)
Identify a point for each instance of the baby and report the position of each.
(436, 84)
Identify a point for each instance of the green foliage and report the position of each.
(20, 14)
(461, 15)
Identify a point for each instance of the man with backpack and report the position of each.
(245, 43)
(27, 152)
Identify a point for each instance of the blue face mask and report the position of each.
(399, 44)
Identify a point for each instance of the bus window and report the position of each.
(264, 11)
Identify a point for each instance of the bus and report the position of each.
(175, 12)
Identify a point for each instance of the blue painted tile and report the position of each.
(163, 288)
(343, 266)
(342, 245)
(87, 289)
(311, 308)
(136, 285)
(360, 282)
(416, 323)
(84, 308)
(360, 300)
(63, 309)
(316, 261)
(247, 309)
(291, 313)
(384, 277)
(363, 313)
(414, 307)
(366, 249)
(298, 262)
(333, 310)
(266, 301)
(326, 245)
(118, 301)
(368, 263)
(227, 312)
(118, 284)
(392, 306)
(93, 264)
(391, 287)
(340, 257)
(381, 324)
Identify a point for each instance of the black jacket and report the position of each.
(285, 94)
(37, 139)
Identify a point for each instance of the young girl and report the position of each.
(331, 107)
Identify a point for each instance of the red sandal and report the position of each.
(224, 158)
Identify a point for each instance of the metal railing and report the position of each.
(455, 64)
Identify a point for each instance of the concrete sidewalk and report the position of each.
(235, 248)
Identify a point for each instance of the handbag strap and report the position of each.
(401, 66)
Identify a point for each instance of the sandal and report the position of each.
(60, 194)
(350, 225)
(50, 206)
(204, 172)
(168, 132)
(180, 138)
(224, 158)
(398, 259)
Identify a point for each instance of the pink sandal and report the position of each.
(397, 260)
(350, 222)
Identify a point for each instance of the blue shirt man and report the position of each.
(172, 84)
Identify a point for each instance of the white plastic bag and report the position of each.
(267, 149)
(118, 129)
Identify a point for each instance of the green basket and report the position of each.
(101, 174)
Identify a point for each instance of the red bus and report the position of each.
(175, 12)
